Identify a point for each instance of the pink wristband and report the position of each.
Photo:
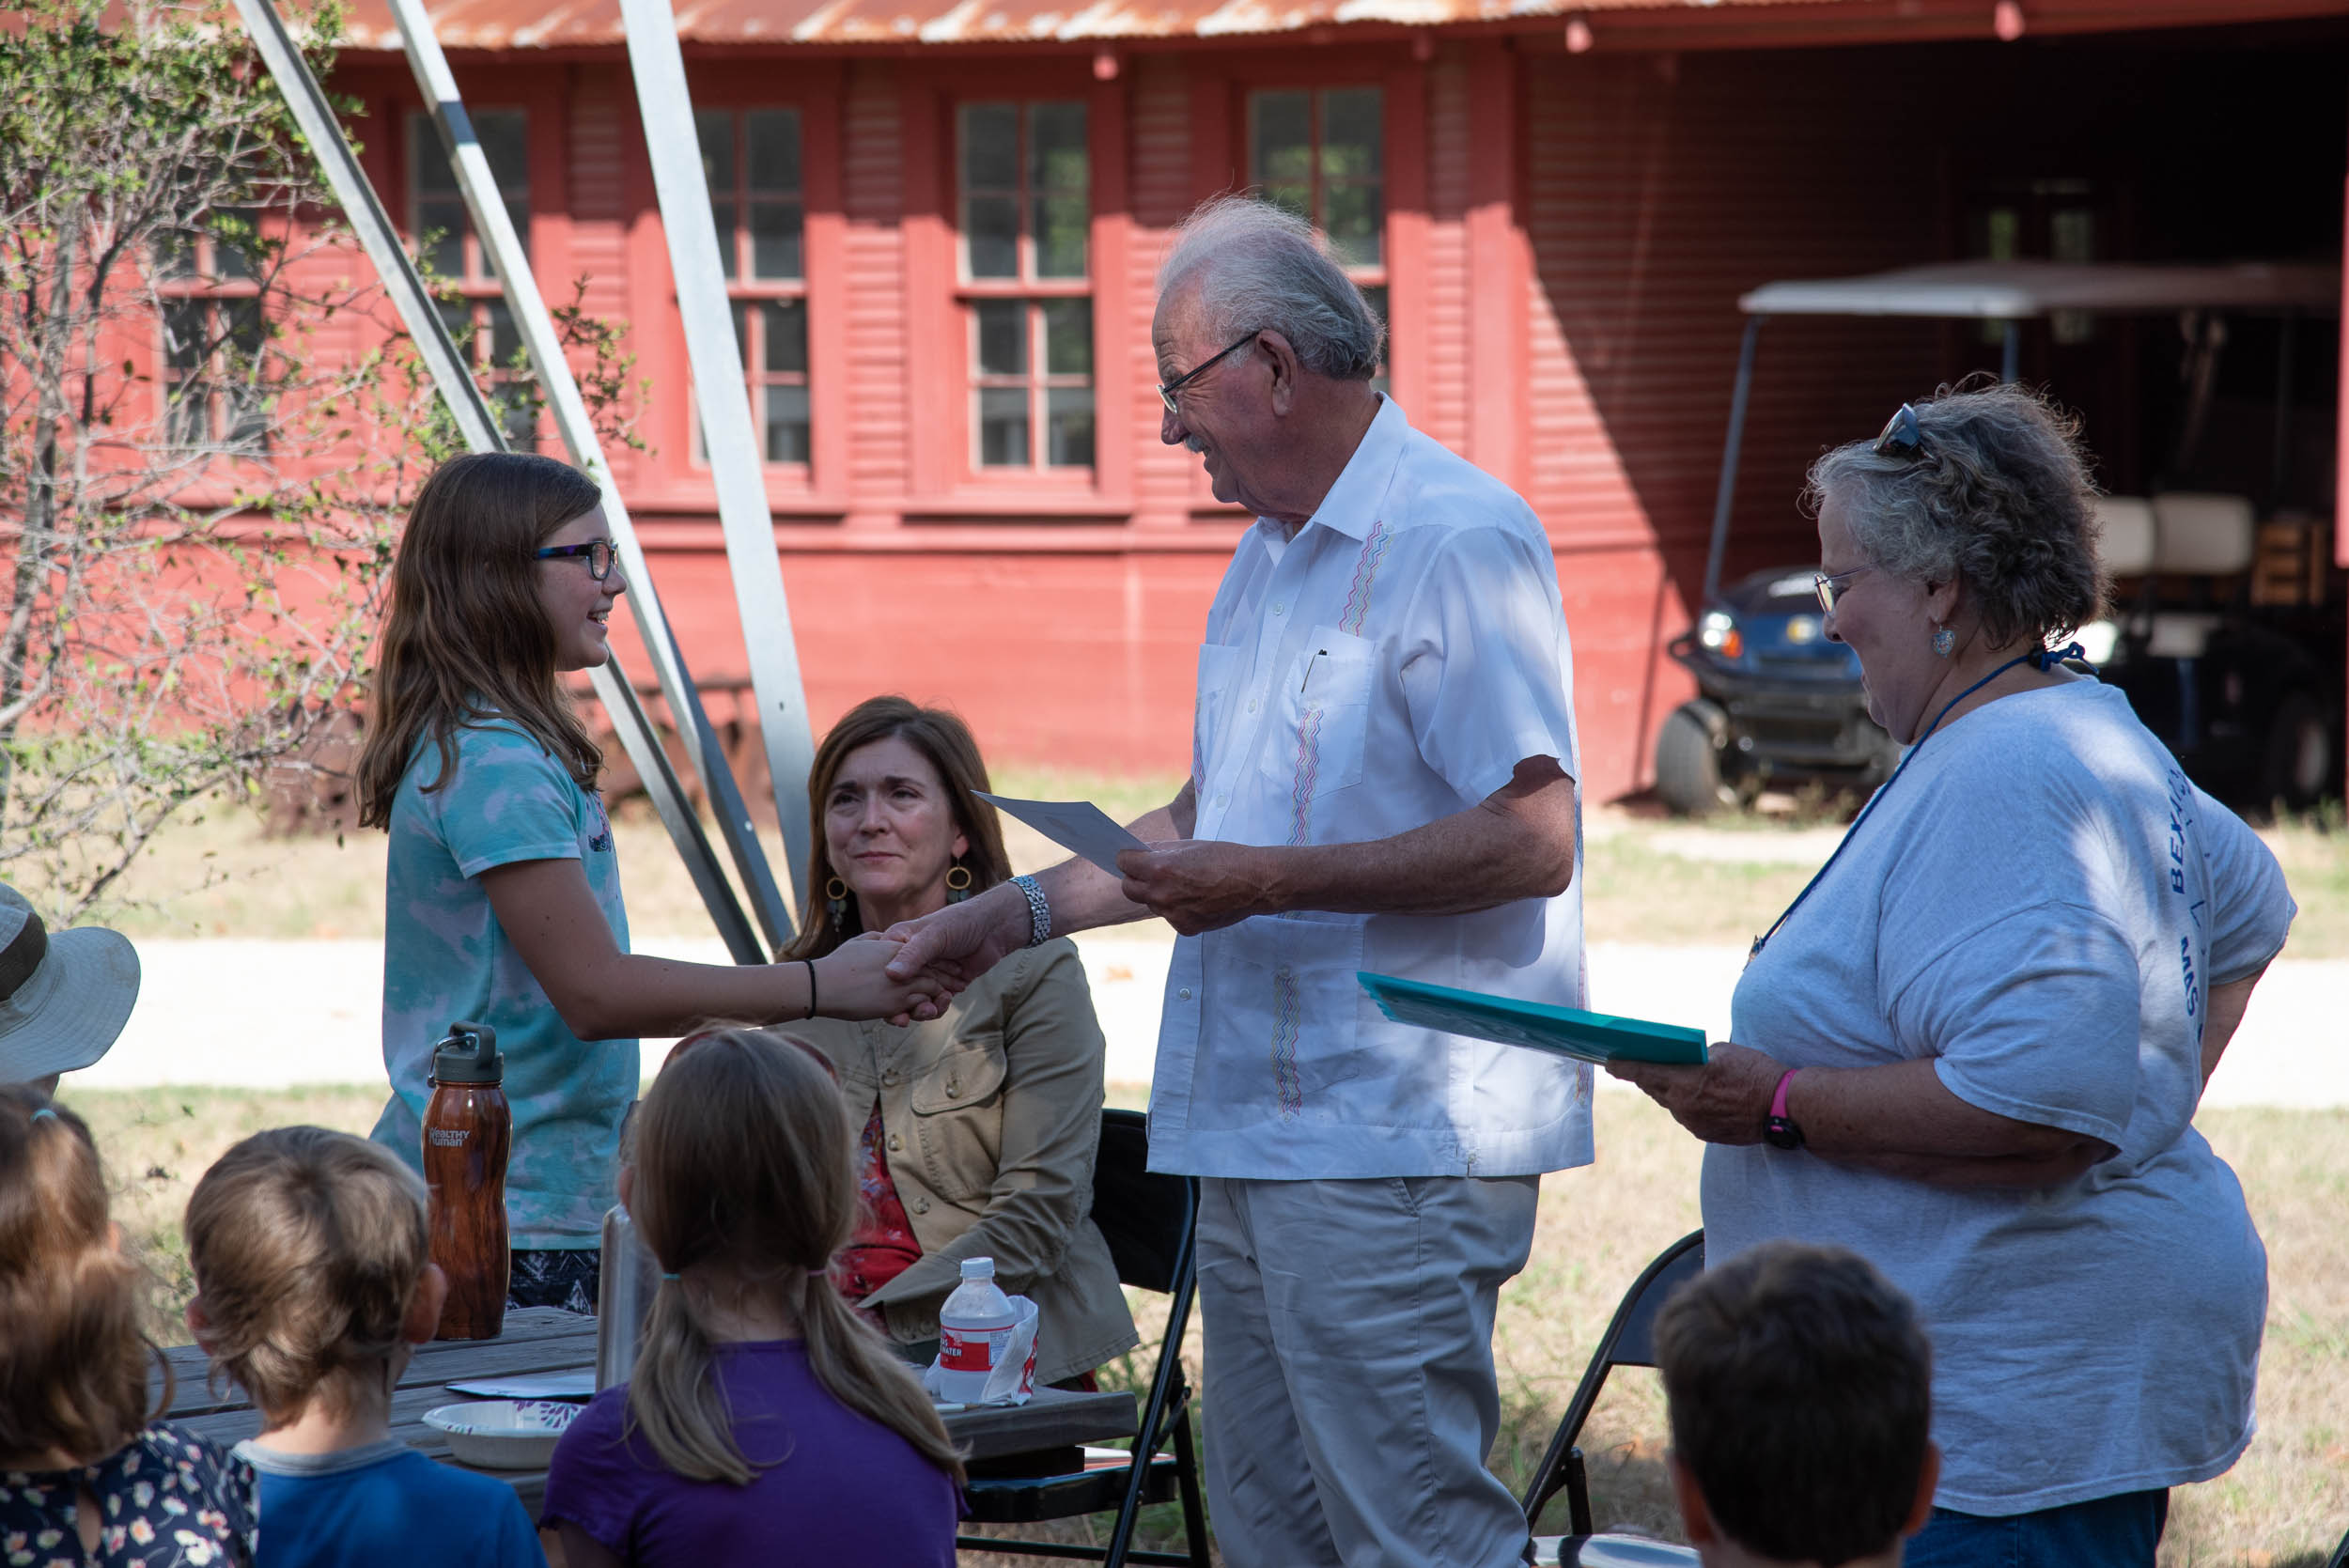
(1777, 1095)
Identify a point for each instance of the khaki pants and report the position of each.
(1348, 1394)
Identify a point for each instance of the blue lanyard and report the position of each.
(2044, 660)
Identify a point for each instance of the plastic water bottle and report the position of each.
(973, 1332)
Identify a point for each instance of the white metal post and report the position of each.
(721, 395)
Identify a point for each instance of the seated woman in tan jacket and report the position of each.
(980, 1125)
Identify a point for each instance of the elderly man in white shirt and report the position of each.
(1382, 778)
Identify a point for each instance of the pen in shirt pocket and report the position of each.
(1309, 667)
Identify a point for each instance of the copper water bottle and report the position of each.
(468, 1133)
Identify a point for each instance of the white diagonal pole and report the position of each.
(478, 425)
(722, 394)
(511, 262)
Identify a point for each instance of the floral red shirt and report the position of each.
(883, 1246)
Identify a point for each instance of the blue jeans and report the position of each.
(2104, 1532)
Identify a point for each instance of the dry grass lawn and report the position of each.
(1645, 880)
(2282, 1507)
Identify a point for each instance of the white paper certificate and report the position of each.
(1078, 826)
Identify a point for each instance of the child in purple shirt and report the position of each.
(764, 1415)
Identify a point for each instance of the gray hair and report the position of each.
(2000, 499)
(1261, 268)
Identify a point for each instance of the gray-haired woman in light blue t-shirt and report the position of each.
(1972, 1050)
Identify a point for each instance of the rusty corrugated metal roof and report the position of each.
(573, 24)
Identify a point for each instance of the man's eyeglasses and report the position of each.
(1168, 389)
(598, 552)
(1831, 588)
(1902, 437)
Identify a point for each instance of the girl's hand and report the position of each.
(853, 982)
(1725, 1101)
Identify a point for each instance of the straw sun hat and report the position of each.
(63, 997)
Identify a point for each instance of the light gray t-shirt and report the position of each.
(2040, 903)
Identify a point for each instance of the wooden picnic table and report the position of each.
(547, 1338)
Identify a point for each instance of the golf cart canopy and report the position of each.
(2010, 292)
(2025, 290)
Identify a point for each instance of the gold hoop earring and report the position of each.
(957, 882)
(836, 903)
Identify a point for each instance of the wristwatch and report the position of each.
(1780, 1131)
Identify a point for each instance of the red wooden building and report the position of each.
(943, 223)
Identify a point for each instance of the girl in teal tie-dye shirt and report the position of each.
(502, 897)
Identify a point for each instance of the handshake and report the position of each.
(913, 971)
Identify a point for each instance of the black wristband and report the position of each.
(811, 986)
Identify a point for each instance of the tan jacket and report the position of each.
(992, 1113)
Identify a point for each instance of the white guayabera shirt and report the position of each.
(1389, 665)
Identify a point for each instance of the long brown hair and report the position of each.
(939, 735)
(306, 1246)
(73, 1359)
(745, 1159)
(465, 638)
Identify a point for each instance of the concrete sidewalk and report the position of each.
(269, 1014)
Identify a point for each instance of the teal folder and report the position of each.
(1568, 1031)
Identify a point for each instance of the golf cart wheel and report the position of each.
(2303, 750)
(1695, 770)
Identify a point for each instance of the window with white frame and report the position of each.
(1322, 154)
(752, 159)
(1024, 175)
(440, 225)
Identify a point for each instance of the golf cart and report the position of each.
(2226, 629)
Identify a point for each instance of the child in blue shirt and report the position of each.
(501, 889)
(314, 1279)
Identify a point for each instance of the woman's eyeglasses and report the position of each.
(1831, 588)
(1902, 437)
(1168, 389)
(598, 552)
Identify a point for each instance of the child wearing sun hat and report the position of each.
(64, 995)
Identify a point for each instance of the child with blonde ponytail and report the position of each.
(88, 1472)
(763, 1410)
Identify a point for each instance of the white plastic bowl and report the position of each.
(504, 1433)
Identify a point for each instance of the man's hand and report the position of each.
(1202, 884)
(964, 940)
(1725, 1101)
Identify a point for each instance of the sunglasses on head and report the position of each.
(1902, 437)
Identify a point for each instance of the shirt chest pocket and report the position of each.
(957, 1106)
(1218, 666)
(1320, 724)
(967, 1075)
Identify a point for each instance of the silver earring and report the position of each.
(1944, 641)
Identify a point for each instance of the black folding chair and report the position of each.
(1630, 1342)
(1148, 1219)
